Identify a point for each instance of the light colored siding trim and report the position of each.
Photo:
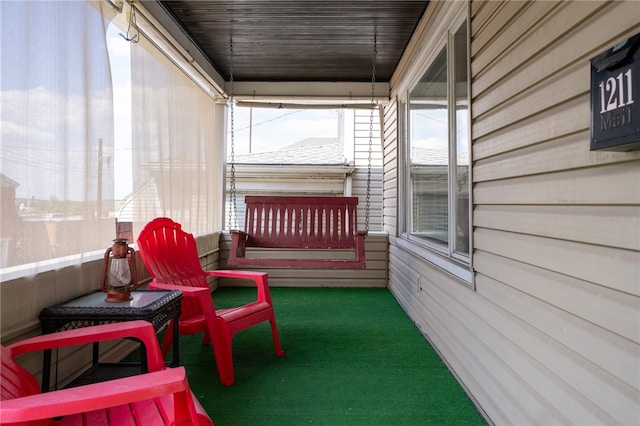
(390, 191)
(362, 127)
(618, 183)
(359, 189)
(531, 144)
(612, 352)
(564, 153)
(539, 81)
(552, 333)
(612, 226)
(519, 64)
(570, 117)
(554, 283)
(494, 20)
(570, 384)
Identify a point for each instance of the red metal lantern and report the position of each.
(119, 272)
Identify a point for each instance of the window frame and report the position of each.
(443, 256)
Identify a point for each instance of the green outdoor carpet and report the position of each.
(353, 357)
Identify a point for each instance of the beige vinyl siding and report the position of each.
(362, 142)
(390, 186)
(551, 334)
(359, 189)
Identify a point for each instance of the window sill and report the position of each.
(31, 269)
(461, 271)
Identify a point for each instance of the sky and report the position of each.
(276, 128)
(120, 59)
(47, 94)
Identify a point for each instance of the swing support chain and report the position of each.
(373, 105)
(233, 214)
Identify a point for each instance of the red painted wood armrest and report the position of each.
(260, 278)
(141, 330)
(95, 396)
(202, 293)
(187, 291)
(202, 296)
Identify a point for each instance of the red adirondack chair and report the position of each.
(171, 257)
(160, 397)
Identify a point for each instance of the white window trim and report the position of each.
(461, 268)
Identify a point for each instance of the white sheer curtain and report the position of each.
(56, 133)
(178, 151)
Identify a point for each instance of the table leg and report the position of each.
(144, 365)
(46, 369)
(176, 344)
(96, 353)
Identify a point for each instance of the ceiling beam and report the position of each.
(338, 91)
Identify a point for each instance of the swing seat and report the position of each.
(298, 222)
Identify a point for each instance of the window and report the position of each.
(176, 143)
(93, 129)
(57, 138)
(438, 173)
(169, 132)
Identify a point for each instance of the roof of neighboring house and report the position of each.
(311, 151)
(309, 142)
(435, 157)
(7, 181)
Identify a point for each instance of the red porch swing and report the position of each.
(288, 223)
(299, 223)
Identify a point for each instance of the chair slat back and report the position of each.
(170, 254)
(301, 222)
(171, 257)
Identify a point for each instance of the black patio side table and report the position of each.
(156, 306)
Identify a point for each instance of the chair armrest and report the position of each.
(140, 330)
(96, 396)
(201, 294)
(260, 278)
(187, 291)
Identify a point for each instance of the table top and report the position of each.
(139, 299)
(143, 303)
